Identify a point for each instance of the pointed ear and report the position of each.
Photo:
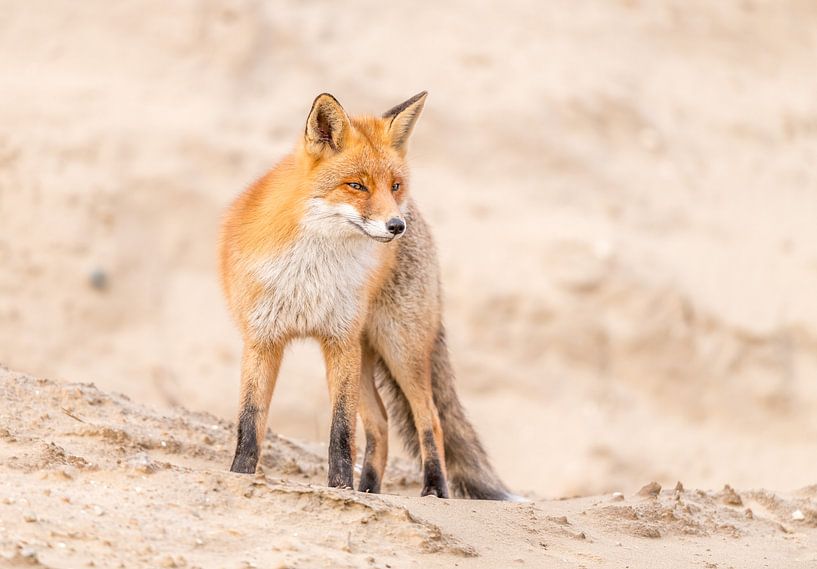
(402, 118)
(326, 126)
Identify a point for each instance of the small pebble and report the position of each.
(730, 497)
(651, 489)
(141, 462)
(798, 516)
(98, 279)
(170, 561)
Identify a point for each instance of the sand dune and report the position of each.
(622, 194)
(90, 478)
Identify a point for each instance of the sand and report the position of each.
(89, 478)
(623, 195)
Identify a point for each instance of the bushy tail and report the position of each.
(470, 472)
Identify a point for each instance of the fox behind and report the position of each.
(330, 245)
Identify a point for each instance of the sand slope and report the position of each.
(89, 478)
(623, 194)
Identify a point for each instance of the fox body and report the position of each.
(330, 245)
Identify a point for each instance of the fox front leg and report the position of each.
(259, 371)
(343, 361)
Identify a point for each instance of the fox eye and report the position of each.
(356, 186)
(395, 186)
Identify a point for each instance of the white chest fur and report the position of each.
(316, 287)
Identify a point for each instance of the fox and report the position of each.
(330, 245)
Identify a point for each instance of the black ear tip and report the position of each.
(419, 97)
(323, 97)
(394, 111)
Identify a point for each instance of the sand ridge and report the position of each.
(89, 478)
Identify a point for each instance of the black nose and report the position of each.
(396, 226)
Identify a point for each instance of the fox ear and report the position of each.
(326, 125)
(402, 118)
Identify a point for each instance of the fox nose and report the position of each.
(396, 226)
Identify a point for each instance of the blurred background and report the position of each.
(624, 195)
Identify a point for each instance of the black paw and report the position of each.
(341, 482)
(244, 464)
(369, 480)
(439, 492)
(340, 477)
(434, 483)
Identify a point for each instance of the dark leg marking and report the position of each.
(341, 462)
(246, 449)
(369, 479)
(434, 482)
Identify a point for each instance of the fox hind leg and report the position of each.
(431, 447)
(414, 380)
(376, 426)
(259, 371)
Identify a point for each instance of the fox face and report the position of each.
(358, 171)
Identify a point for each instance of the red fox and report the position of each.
(330, 245)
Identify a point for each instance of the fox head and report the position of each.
(358, 174)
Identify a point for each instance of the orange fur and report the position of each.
(300, 256)
(312, 250)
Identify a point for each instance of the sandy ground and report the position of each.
(93, 479)
(623, 195)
